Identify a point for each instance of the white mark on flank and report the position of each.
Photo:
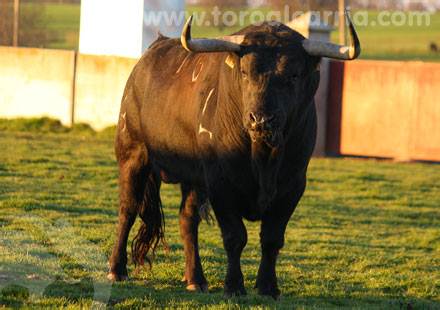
(202, 130)
(196, 76)
(183, 63)
(125, 121)
(207, 101)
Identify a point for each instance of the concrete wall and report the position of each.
(376, 108)
(100, 82)
(387, 109)
(36, 82)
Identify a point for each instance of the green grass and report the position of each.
(366, 234)
(60, 22)
(63, 20)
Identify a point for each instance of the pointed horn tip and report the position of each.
(205, 45)
(186, 34)
(355, 43)
(189, 21)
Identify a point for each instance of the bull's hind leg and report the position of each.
(133, 172)
(189, 220)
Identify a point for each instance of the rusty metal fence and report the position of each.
(384, 109)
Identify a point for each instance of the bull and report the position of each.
(233, 121)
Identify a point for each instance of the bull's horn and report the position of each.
(224, 44)
(330, 50)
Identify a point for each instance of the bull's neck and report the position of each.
(230, 114)
(266, 162)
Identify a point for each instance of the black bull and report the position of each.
(236, 129)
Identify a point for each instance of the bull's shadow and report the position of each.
(145, 295)
(155, 292)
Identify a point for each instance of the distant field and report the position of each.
(60, 22)
(64, 20)
(365, 236)
(398, 43)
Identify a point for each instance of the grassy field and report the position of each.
(60, 23)
(63, 20)
(366, 234)
(379, 42)
(399, 43)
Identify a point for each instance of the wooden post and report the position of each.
(342, 22)
(16, 22)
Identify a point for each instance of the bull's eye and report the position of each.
(244, 74)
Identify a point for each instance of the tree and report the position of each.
(6, 13)
(33, 29)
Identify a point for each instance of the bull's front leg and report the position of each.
(225, 205)
(234, 240)
(273, 228)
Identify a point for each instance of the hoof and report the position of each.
(113, 277)
(203, 288)
(236, 293)
(274, 293)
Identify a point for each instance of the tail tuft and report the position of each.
(152, 230)
(205, 212)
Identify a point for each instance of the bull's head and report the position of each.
(278, 73)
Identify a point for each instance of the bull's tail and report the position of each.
(152, 230)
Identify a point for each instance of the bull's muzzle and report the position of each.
(264, 128)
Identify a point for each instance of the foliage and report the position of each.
(32, 25)
(42, 125)
(41, 24)
(366, 234)
(5, 23)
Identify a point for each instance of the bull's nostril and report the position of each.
(258, 121)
